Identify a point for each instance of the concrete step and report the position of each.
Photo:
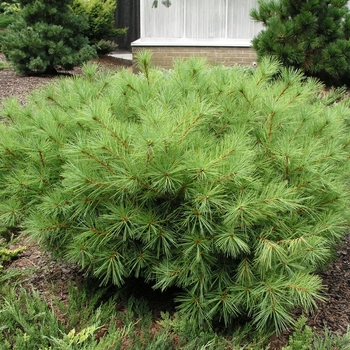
(123, 54)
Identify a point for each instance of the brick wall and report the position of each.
(163, 56)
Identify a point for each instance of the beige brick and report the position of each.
(164, 56)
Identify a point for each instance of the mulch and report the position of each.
(12, 84)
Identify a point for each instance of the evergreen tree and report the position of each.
(46, 35)
(231, 184)
(100, 17)
(312, 35)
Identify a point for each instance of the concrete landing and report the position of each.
(122, 54)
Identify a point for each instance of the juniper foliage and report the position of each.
(309, 35)
(46, 35)
(228, 183)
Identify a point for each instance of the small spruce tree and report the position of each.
(228, 183)
(309, 35)
(46, 35)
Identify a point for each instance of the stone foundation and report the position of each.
(164, 56)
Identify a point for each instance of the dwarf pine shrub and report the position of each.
(228, 183)
(46, 36)
(308, 35)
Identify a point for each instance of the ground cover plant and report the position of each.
(6, 255)
(4, 64)
(228, 183)
(28, 321)
(308, 35)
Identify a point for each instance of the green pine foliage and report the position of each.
(309, 35)
(228, 183)
(45, 36)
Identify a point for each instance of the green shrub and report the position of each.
(46, 36)
(310, 35)
(6, 20)
(229, 183)
(104, 47)
(4, 64)
(28, 322)
(7, 255)
(10, 7)
(100, 15)
(331, 341)
(302, 337)
(8, 13)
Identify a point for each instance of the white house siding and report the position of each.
(240, 25)
(162, 22)
(220, 30)
(205, 21)
(201, 21)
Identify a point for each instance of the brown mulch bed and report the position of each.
(50, 276)
(12, 84)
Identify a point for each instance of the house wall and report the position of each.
(219, 30)
(198, 19)
(127, 15)
(164, 56)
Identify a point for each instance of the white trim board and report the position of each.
(193, 42)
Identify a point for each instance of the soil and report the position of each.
(50, 277)
(12, 84)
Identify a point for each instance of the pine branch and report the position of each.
(123, 142)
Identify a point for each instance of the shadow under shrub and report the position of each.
(229, 183)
